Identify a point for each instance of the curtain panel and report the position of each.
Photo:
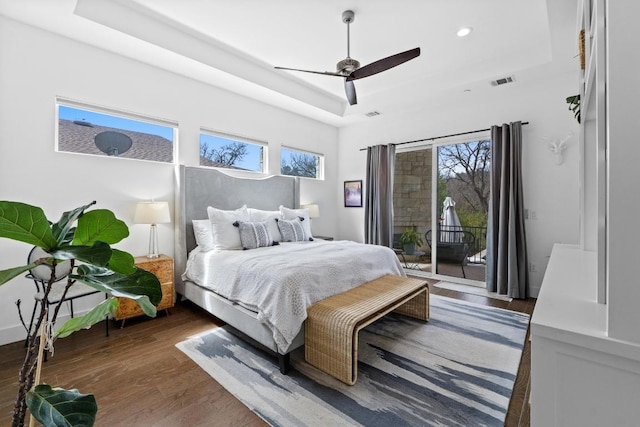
(378, 210)
(506, 238)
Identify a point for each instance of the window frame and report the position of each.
(319, 173)
(116, 113)
(240, 139)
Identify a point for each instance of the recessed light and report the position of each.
(464, 31)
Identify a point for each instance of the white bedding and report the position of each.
(281, 282)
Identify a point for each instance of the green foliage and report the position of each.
(59, 407)
(87, 247)
(25, 223)
(574, 106)
(97, 314)
(411, 236)
(472, 218)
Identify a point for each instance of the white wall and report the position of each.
(550, 190)
(36, 66)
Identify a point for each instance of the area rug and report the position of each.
(458, 369)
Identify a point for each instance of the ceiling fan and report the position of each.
(350, 68)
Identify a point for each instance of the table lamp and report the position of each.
(152, 213)
(314, 210)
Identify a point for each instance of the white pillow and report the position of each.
(225, 234)
(203, 234)
(290, 214)
(257, 215)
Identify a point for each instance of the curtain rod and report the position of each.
(443, 136)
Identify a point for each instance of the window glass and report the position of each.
(86, 131)
(232, 153)
(299, 163)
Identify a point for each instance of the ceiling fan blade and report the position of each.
(350, 90)
(324, 73)
(384, 64)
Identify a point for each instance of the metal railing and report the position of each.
(477, 252)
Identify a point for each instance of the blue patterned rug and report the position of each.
(456, 370)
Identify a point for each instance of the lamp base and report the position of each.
(153, 242)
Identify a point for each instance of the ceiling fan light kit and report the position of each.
(350, 69)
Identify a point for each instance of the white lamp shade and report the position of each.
(152, 213)
(314, 210)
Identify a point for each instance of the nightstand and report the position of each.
(162, 267)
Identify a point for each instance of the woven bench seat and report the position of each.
(332, 325)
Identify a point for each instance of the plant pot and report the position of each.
(409, 248)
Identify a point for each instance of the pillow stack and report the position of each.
(248, 228)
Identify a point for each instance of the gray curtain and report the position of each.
(506, 240)
(378, 210)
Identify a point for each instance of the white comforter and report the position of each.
(281, 282)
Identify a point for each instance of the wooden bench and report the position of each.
(332, 325)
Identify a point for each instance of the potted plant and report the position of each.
(574, 106)
(411, 240)
(83, 239)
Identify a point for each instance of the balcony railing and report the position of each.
(478, 251)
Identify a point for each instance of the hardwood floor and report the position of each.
(139, 377)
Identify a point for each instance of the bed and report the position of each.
(199, 188)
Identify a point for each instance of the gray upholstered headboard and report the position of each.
(197, 188)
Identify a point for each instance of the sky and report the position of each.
(69, 113)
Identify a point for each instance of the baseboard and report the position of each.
(534, 291)
(17, 333)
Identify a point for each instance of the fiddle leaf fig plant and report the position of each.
(82, 238)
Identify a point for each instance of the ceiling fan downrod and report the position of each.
(348, 65)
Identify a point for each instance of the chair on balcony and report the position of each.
(453, 246)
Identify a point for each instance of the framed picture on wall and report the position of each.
(353, 194)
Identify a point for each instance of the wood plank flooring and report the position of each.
(140, 378)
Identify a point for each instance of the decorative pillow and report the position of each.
(225, 235)
(292, 231)
(254, 234)
(298, 213)
(203, 234)
(257, 215)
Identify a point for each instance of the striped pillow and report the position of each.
(292, 231)
(254, 234)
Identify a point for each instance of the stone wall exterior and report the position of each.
(412, 191)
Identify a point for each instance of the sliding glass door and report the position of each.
(463, 204)
(442, 192)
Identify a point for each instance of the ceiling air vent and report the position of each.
(503, 81)
(373, 113)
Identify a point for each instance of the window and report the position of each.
(232, 153)
(298, 163)
(89, 130)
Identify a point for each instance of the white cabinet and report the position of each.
(585, 334)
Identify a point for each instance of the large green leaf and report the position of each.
(141, 286)
(26, 223)
(97, 314)
(122, 262)
(6, 275)
(98, 254)
(62, 230)
(99, 225)
(59, 407)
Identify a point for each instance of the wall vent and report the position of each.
(373, 113)
(503, 81)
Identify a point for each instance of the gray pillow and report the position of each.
(292, 231)
(254, 234)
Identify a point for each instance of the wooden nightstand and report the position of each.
(162, 267)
